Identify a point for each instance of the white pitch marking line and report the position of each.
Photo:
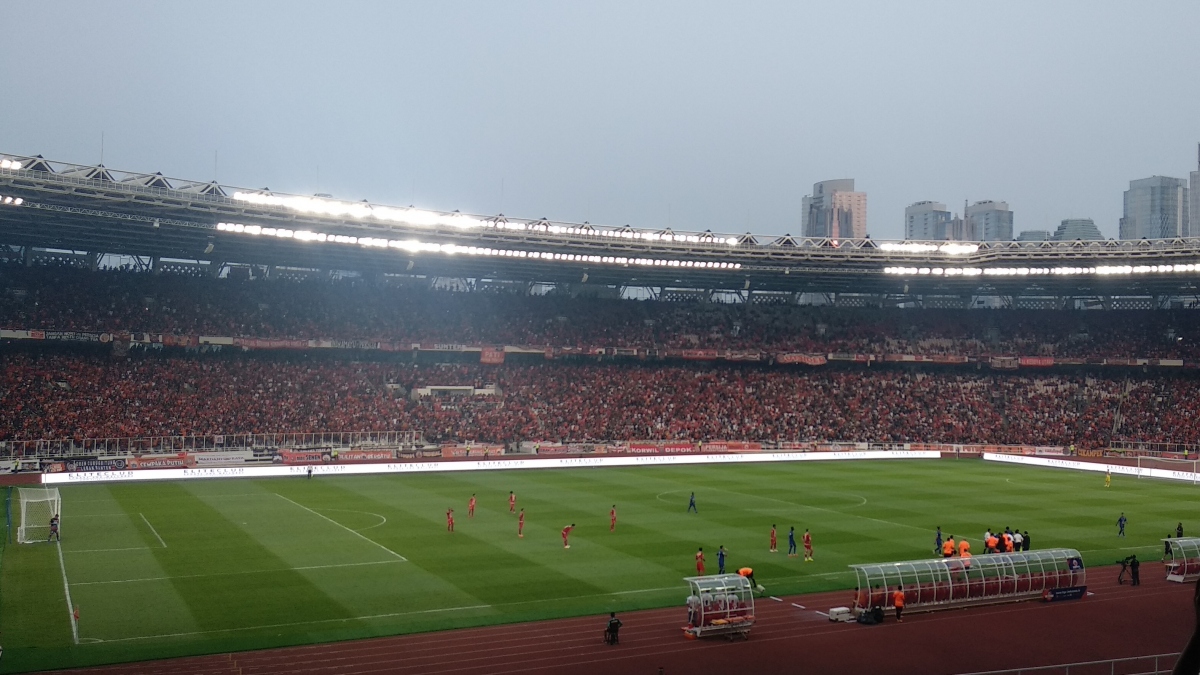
(776, 599)
(108, 550)
(298, 623)
(382, 519)
(160, 540)
(800, 606)
(357, 534)
(240, 572)
(67, 591)
(823, 614)
(646, 590)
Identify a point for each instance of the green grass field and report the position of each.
(168, 569)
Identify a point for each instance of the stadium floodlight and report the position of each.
(1099, 270)
(9, 164)
(415, 246)
(415, 217)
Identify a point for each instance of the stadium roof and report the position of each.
(93, 208)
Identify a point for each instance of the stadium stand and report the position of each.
(68, 395)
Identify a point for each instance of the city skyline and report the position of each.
(685, 115)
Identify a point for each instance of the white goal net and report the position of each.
(1176, 469)
(38, 506)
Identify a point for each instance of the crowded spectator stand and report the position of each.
(719, 605)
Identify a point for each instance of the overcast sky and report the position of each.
(697, 115)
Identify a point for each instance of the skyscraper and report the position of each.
(1077, 228)
(990, 221)
(1155, 208)
(926, 221)
(1033, 235)
(1194, 206)
(835, 211)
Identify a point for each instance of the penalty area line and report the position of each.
(238, 573)
(293, 624)
(67, 591)
(353, 532)
(156, 535)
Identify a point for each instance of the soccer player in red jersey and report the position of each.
(700, 561)
(512, 502)
(471, 507)
(612, 519)
(566, 533)
(808, 556)
(449, 520)
(521, 524)
(774, 541)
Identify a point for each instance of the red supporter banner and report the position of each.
(699, 354)
(806, 359)
(303, 456)
(1037, 361)
(178, 460)
(491, 355)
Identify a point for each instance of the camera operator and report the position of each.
(1124, 563)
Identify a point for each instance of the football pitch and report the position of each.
(175, 568)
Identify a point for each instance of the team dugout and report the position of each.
(1183, 559)
(955, 582)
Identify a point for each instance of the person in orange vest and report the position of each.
(964, 548)
(898, 601)
(948, 547)
(1008, 543)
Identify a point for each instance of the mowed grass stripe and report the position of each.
(207, 540)
(483, 558)
(858, 512)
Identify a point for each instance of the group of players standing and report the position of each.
(612, 526)
(512, 508)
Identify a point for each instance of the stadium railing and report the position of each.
(1136, 665)
(90, 447)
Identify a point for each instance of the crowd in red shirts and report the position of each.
(75, 299)
(60, 395)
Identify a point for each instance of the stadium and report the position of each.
(263, 424)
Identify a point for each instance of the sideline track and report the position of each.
(1118, 622)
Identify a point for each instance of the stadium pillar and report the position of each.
(27, 255)
(94, 260)
(155, 264)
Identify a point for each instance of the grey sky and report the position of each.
(694, 114)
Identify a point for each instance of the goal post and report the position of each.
(38, 506)
(1165, 467)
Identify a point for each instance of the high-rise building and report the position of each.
(1077, 228)
(1034, 235)
(1194, 206)
(1155, 208)
(835, 211)
(926, 221)
(990, 221)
